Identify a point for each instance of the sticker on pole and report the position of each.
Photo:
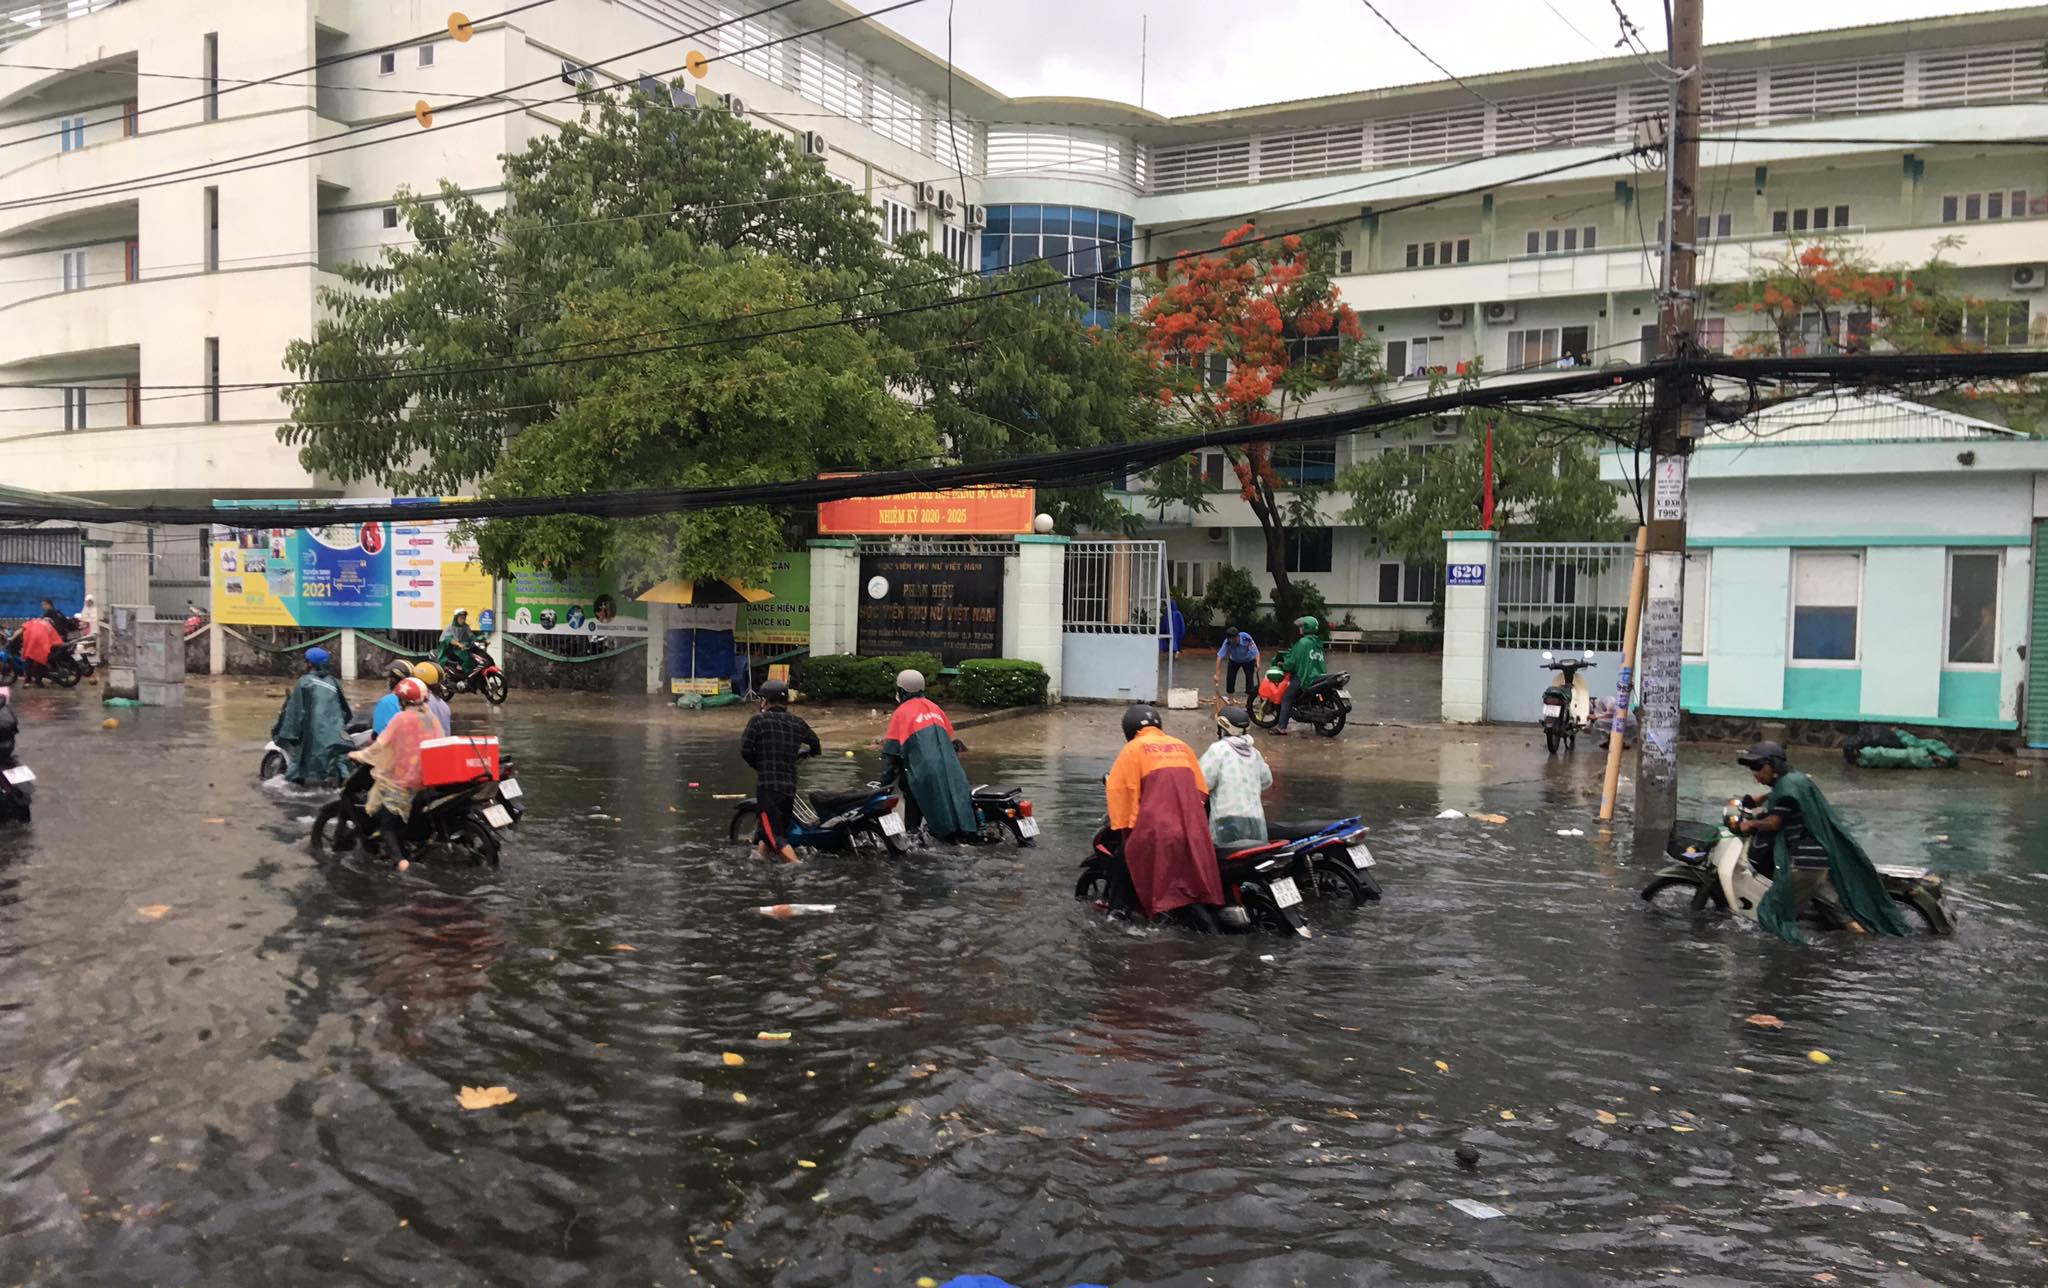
(1668, 503)
(1465, 575)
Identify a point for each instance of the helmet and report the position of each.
(1139, 716)
(1308, 625)
(427, 673)
(316, 657)
(911, 682)
(461, 614)
(775, 693)
(399, 670)
(1763, 753)
(411, 692)
(1232, 720)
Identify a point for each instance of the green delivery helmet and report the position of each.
(1308, 625)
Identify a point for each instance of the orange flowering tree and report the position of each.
(1828, 296)
(1249, 336)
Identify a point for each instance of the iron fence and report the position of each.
(1561, 595)
(1115, 587)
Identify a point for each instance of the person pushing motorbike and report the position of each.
(919, 750)
(772, 743)
(1237, 776)
(1303, 666)
(1812, 854)
(1156, 792)
(313, 727)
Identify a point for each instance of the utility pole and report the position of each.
(1674, 418)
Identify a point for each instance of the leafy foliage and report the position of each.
(1002, 682)
(1233, 597)
(866, 679)
(1828, 295)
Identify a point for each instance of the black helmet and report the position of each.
(1139, 716)
(398, 670)
(1232, 720)
(1763, 753)
(774, 692)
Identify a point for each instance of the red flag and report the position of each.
(1486, 507)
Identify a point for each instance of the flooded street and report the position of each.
(258, 1084)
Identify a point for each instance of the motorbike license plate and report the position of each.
(20, 774)
(497, 816)
(1361, 857)
(511, 790)
(892, 825)
(1344, 694)
(1284, 892)
(1552, 711)
(1027, 828)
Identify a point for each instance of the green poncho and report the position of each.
(1855, 877)
(1304, 661)
(918, 749)
(313, 727)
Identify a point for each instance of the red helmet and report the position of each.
(411, 692)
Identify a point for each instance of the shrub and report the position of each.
(1309, 602)
(865, 679)
(1195, 610)
(1002, 682)
(1232, 598)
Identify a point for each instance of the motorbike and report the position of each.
(1567, 701)
(63, 669)
(1003, 812)
(17, 791)
(1259, 889)
(857, 822)
(1711, 865)
(482, 675)
(461, 818)
(1331, 860)
(1324, 703)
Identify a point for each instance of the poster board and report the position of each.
(951, 605)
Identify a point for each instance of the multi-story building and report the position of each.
(164, 229)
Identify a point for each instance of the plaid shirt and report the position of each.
(770, 744)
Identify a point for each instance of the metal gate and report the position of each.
(1558, 597)
(2037, 645)
(1110, 632)
(38, 564)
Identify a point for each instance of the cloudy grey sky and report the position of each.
(1203, 55)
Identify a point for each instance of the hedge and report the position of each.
(1002, 682)
(867, 679)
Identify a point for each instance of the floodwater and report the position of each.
(259, 1085)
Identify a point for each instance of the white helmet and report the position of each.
(910, 682)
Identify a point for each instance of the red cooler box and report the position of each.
(446, 762)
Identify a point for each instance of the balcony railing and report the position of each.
(20, 21)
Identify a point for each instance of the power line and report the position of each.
(214, 95)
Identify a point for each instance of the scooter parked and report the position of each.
(1567, 701)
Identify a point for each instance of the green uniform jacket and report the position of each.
(1304, 661)
(918, 749)
(1855, 877)
(313, 727)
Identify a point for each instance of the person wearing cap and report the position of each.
(1238, 776)
(1156, 794)
(919, 751)
(313, 727)
(773, 741)
(1241, 653)
(1303, 666)
(1812, 854)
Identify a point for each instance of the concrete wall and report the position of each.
(1034, 599)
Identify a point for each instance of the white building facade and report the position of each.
(164, 229)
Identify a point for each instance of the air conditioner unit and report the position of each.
(1450, 315)
(735, 106)
(977, 217)
(1219, 535)
(1500, 312)
(814, 144)
(1443, 429)
(572, 74)
(927, 195)
(948, 203)
(2029, 277)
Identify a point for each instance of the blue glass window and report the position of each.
(1075, 241)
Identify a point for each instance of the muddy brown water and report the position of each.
(259, 1086)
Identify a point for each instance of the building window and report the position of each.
(1995, 324)
(1969, 207)
(131, 260)
(1706, 228)
(213, 378)
(387, 62)
(1075, 239)
(1827, 594)
(1410, 583)
(1306, 463)
(1417, 356)
(899, 220)
(74, 269)
(1559, 241)
(1699, 574)
(134, 400)
(131, 119)
(1343, 262)
(391, 216)
(1309, 549)
(1213, 465)
(210, 200)
(1568, 346)
(74, 407)
(1973, 609)
(70, 134)
(426, 55)
(210, 72)
(1802, 219)
(958, 245)
(1431, 254)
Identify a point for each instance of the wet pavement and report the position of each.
(223, 1062)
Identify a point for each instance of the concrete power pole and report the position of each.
(1674, 418)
